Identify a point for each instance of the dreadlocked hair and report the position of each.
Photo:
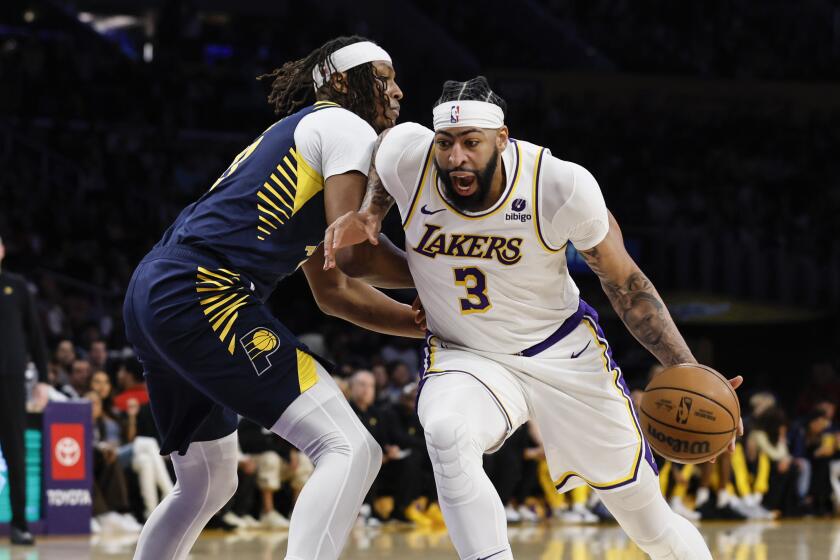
(292, 86)
(476, 89)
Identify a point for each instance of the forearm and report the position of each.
(377, 200)
(645, 315)
(369, 308)
(635, 299)
(382, 265)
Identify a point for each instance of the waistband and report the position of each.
(565, 328)
(188, 252)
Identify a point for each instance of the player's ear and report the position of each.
(339, 82)
(502, 138)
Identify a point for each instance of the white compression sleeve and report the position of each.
(206, 481)
(461, 421)
(321, 424)
(646, 518)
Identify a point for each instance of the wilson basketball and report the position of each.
(689, 413)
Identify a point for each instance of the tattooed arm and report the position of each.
(636, 300)
(354, 243)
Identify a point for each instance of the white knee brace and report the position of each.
(453, 455)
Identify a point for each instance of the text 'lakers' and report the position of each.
(435, 242)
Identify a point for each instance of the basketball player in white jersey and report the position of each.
(487, 219)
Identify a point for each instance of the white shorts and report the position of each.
(573, 390)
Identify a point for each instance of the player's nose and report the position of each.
(457, 155)
(396, 92)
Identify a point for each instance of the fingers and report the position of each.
(329, 249)
(740, 426)
(372, 234)
(417, 305)
(736, 381)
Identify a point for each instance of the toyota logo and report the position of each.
(67, 451)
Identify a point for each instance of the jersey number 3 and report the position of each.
(475, 283)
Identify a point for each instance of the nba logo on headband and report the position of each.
(455, 114)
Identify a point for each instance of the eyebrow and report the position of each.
(464, 133)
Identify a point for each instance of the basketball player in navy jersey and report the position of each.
(211, 350)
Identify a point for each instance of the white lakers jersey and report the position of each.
(494, 280)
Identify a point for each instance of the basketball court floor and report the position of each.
(789, 540)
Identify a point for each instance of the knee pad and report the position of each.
(453, 456)
(209, 470)
(374, 458)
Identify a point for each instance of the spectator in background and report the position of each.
(132, 385)
(399, 375)
(79, 381)
(98, 356)
(100, 384)
(399, 483)
(819, 449)
(65, 355)
(276, 462)
(767, 448)
(380, 376)
(110, 492)
(141, 453)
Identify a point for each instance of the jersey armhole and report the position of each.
(536, 196)
(419, 188)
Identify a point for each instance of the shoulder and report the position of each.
(335, 120)
(561, 174)
(402, 140)
(558, 178)
(407, 134)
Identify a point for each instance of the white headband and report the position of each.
(349, 57)
(479, 114)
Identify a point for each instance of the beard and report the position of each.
(483, 179)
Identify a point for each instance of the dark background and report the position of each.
(712, 127)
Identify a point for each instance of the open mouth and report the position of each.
(465, 182)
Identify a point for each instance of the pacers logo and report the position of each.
(259, 344)
(683, 410)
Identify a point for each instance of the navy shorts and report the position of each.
(210, 348)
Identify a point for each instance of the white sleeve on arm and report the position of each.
(335, 141)
(571, 205)
(400, 160)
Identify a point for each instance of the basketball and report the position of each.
(689, 413)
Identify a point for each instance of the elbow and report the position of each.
(330, 304)
(351, 261)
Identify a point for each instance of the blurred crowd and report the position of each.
(787, 464)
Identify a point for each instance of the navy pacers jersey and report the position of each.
(265, 215)
(195, 307)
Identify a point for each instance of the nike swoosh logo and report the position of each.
(491, 556)
(582, 351)
(428, 212)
